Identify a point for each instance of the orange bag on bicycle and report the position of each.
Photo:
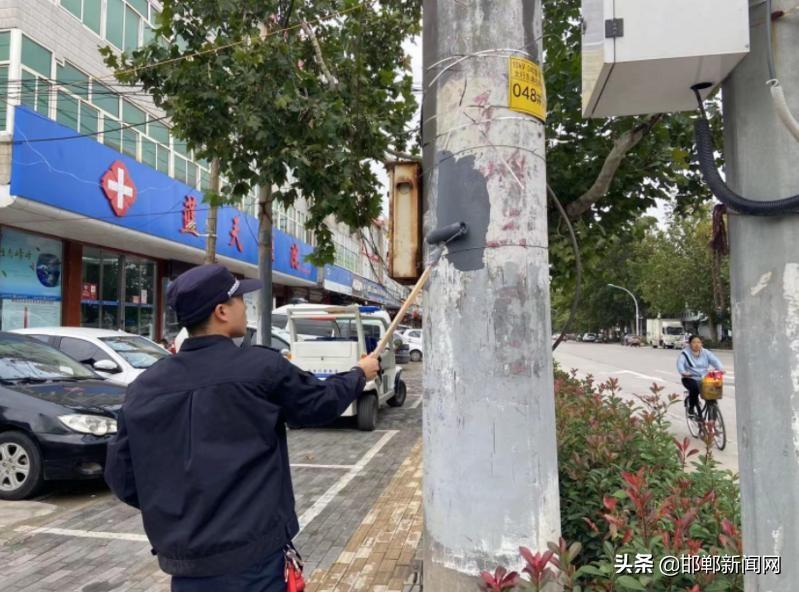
(712, 386)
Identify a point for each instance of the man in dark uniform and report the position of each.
(201, 448)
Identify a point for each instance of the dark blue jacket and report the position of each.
(201, 450)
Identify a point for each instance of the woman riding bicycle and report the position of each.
(693, 364)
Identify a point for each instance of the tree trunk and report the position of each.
(210, 241)
(265, 263)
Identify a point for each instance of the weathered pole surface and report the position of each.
(761, 160)
(490, 460)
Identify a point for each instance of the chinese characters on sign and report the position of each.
(119, 188)
(526, 88)
(234, 234)
(295, 256)
(190, 216)
(669, 565)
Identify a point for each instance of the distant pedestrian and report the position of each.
(202, 450)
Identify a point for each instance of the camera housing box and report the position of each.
(643, 56)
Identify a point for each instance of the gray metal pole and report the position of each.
(761, 159)
(490, 457)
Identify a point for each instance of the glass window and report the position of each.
(43, 90)
(73, 6)
(112, 135)
(91, 14)
(148, 35)
(31, 270)
(132, 21)
(181, 147)
(105, 98)
(149, 152)
(158, 132)
(36, 57)
(133, 115)
(67, 110)
(205, 180)
(139, 352)
(140, 5)
(115, 23)
(180, 168)
(3, 93)
(130, 142)
(88, 119)
(82, 350)
(5, 45)
(162, 164)
(28, 92)
(21, 357)
(73, 80)
(191, 175)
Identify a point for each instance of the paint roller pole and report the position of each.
(490, 463)
(761, 157)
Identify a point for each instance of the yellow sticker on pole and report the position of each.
(526, 91)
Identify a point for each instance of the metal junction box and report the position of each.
(643, 56)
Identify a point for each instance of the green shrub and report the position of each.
(628, 487)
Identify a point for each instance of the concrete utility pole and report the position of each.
(490, 460)
(761, 159)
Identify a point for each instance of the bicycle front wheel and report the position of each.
(719, 431)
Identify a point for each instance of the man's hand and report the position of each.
(370, 366)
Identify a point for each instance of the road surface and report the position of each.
(637, 368)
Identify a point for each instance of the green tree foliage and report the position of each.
(294, 94)
(607, 172)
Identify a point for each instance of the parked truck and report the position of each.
(665, 333)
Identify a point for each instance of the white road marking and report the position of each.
(85, 534)
(321, 503)
(313, 466)
(416, 403)
(639, 375)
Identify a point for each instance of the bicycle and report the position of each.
(710, 422)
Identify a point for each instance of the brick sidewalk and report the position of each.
(381, 556)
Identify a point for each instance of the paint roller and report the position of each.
(439, 238)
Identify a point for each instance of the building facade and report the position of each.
(101, 206)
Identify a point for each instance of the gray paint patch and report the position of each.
(463, 197)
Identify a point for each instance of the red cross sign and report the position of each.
(119, 188)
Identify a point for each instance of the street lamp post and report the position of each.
(637, 316)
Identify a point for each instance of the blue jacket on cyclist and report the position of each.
(697, 364)
(693, 364)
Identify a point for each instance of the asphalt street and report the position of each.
(638, 368)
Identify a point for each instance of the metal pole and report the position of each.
(635, 300)
(490, 456)
(761, 158)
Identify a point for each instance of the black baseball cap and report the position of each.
(196, 293)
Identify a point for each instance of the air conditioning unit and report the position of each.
(643, 56)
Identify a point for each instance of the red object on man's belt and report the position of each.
(293, 574)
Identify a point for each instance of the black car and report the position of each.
(56, 417)
(402, 351)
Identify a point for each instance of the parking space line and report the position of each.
(321, 503)
(416, 403)
(84, 534)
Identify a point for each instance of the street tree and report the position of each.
(291, 96)
(607, 172)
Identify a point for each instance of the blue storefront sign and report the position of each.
(338, 279)
(374, 292)
(87, 178)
